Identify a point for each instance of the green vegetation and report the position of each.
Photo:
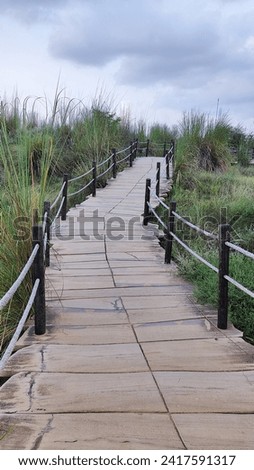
(209, 191)
(36, 151)
(34, 154)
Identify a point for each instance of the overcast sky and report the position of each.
(157, 57)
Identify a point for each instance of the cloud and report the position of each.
(150, 41)
(190, 50)
(30, 11)
(193, 51)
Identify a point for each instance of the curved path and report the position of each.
(129, 361)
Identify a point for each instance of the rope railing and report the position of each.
(124, 158)
(157, 216)
(41, 234)
(193, 253)
(13, 289)
(58, 196)
(106, 171)
(105, 161)
(195, 227)
(9, 350)
(240, 250)
(76, 178)
(59, 210)
(123, 150)
(223, 240)
(82, 189)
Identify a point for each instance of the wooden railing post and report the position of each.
(167, 165)
(65, 195)
(39, 273)
(46, 209)
(147, 200)
(173, 156)
(94, 184)
(171, 228)
(135, 148)
(147, 147)
(164, 149)
(224, 236)
(114, 168)
(158, 176)
(131, 154)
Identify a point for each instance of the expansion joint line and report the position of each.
(153, 376)
(106, 256)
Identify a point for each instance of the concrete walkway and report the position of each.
(129, 361)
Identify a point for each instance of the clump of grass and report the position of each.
(34, 152)
(202, 144)
(23, 193)
(209, 199)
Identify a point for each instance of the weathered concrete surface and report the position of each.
(89, 431)
(128, 361)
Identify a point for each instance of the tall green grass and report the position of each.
(209, 195)
(35, 150)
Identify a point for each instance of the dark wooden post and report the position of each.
(131, 154)
(39, 273)
(46, 209)
(169, 238)
(167, 165)
(94, 184)
(135, 148)
(65, 195)
(158, 176)
(147, 147)
(173, 146)
(164, 149)
(147, 200)
(224, 236)
(35, 216)
(114, 168)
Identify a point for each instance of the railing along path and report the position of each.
(222, 238)
(41, 234)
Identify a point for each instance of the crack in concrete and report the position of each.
(44, 431)
(43, 364)
(30, 391)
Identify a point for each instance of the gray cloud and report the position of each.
(191, 50)
(30, 11)
(195, 51)
(150, 41)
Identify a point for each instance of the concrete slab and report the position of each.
(141, 270)
(176, 293)
(88, 431)
(56, 267)
(82, 316)
(77, 359)
(76, 334)
(77, 257)
(175, 330)
(94, 302)
(207, 392)
(217, 354)
(216, 431)
(153, 298)
(138, 255)
(55, 283)
(76, 272)
(112, 431)
(69, 393)
(155, 279)
(22, 431)
(147, 315)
